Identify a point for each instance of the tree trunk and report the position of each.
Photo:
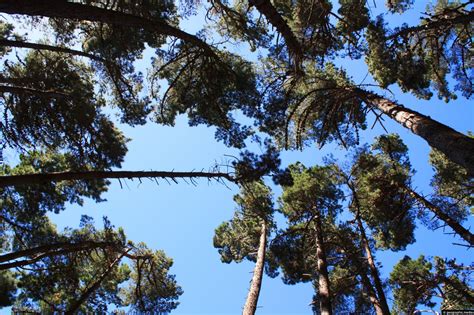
(266, 8)
(373, 269)
(70, 10)
(371, 293)
(20, 44)
(252, 297)
(453, 224)
(29, 179)
(324, 290)
(455, 145)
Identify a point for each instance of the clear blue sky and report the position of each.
(181, 218)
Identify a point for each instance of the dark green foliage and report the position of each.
(7, 288)
(152, 289)
(420, 58)
(81, 269)
(56, 108)
(238, 238)
(451, 181)
(208, 90)
(399, 6)
(417, 282)
(380, 180)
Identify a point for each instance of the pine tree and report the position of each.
(245, 236)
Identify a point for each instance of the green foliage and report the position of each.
(83, 268)
(452, 181)
(399, 6)
(207, 90)
(57, 109)
(417, 282)
(381, 179)
(7, 288)
(151, 288)
(420, 58)
(238, 238)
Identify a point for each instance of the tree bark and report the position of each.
(20, 44)
(371, 293)
(29, 179)
(455, 145)
(439, 24)
(453, 224)
(373, 269)
(324, 290)
(266, 8)
(40, 252)
(70, 10)
(31, 91)
(254, 291)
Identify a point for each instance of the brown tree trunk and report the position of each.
(29, 179)
(266, 8)
(371, 293)
(252, 297)
(32, 255)
(373, 269)
(455, 145)
(324, 290)
(20, 44)
(453, 224)
(70, 10)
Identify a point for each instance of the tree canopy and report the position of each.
(266, 76)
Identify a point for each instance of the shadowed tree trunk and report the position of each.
(455, 145)
(254, 291)
(20, 44)
(324, 290)
(266, 8)
(373, 269)
(76, 11)
(453, 224)
(28, 179)
(371, 293)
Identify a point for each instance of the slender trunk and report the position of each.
(371, 293)
(455, 145)
(70, 10)
(76, 305)
(439, 24)
(54, 247)
(29, 179)
(20, 44)
(453, 224)
(252, 297)
(324, 289)
(373, 269)
(31, 91)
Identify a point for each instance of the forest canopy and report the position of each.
(268, 78)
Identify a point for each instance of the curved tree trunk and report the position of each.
(453, 224)
(373, 269)
(324, 289)
(254, 291)
(77, 11)
(266, 8)
(456, 146)
(29, 179)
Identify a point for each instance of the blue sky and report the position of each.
(181, 218)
